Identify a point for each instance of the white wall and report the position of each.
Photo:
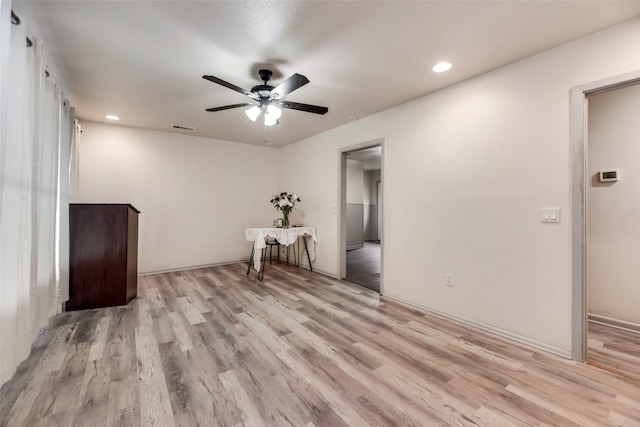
(374, 176)
(355, 208)
(613, 257)
(355, 181)
(196, 195)
(466, 171)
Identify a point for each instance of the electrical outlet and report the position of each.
(448, 279)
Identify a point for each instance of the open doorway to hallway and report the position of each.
(363, 207)
(613, 230)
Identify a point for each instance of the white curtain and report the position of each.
(37, 134)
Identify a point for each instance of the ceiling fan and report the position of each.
(267, 99)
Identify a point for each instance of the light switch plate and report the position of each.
(550, 214)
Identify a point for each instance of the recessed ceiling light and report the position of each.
(111, 117)
(441, 67)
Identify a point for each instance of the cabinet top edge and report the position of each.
(105, 204)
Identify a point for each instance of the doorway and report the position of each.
(606, 227)
(613, 230)
(361, 200)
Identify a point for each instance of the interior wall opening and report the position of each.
(613, 230)
(362, 216)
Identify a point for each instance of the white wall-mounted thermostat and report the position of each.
(609, 176)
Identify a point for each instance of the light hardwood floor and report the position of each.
(615, 349)
(216, 347)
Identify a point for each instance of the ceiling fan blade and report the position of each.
(231, 86)
(294, 82)
(303, 107)
(228, 107)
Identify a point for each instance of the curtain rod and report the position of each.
(15, 20)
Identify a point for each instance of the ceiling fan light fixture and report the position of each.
(269, 121)
(253, 113)
(273, 112)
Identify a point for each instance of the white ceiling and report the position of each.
(144, 60)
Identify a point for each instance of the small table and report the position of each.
(284, 236)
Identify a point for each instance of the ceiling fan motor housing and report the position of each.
(262, 90)
(265, 75)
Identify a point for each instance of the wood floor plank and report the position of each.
(281, 291)
(155, 407)
(438, 403)
(335, 399)
(102, 330)
(51, 360)
(144, 312)
(552, 406)
(324, 306)
(210, 403)
(93, 397)
(192, 280)
(213, 346)
(180, 331)
(152, 294)
(190, 311)
(162, 325)
(120, 342)
(69, 379)
(486, 416)
(321, 413)
(123, 405)
(614, 348)
(250, 412)
(268, 336)
(193, 296)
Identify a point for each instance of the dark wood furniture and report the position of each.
(103, 255)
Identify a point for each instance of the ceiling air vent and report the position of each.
(190, 129)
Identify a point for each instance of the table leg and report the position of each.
(253, 249)
(293, 246)
(306, 248)
(299, 253)
(263, 263)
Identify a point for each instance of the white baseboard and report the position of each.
(487, 328)
(616, 323)
(193, 267)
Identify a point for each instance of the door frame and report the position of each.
(342, 205)
(379, 207)
(579, 183)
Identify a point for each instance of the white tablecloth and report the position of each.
(284, 236)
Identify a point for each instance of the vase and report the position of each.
(285, 219)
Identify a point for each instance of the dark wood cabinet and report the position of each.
(103, 255)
